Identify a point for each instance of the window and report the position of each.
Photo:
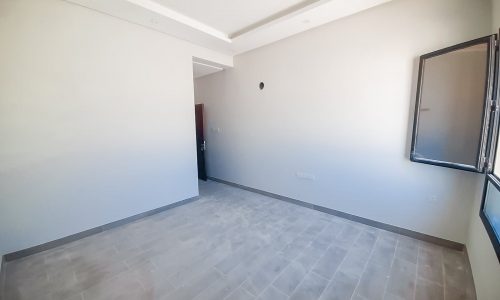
(490, 211)
(490, 206)
(452, 108)
(457, 120)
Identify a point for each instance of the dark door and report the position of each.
(200, 142)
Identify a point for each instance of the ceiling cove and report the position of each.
(230, 26)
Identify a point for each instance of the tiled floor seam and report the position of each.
(282, 271)
(283, 231)
(390, 270)
(278, 290)
(329, 281)
(443, 274)
(232, 292)
(308, 237)
(340, 265)
(106, 280)
(400, 231)
(311, 269)
(365, 266)
(416, 274)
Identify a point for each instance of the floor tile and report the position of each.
(290, 278)
(331, 260)
(311, 288)
(234, 244)
(402, 279)
(373, 281)
(426, 290)
(271, 293)
(341, 287)
(240, 294)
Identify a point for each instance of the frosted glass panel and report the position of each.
(496, 167)
(450, 114)
(492, 208)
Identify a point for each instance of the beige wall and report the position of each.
(484, 262)
(496, 15)
(337, 108)
(96, 120)
(485, 265)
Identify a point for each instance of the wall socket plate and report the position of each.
(304, 175)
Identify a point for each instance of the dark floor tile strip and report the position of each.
(80, 235)
(380, 225)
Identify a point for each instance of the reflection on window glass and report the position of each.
(492, 208)
(496, 167)
(451, 108)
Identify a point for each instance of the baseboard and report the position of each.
(369, 222)
(80, 235)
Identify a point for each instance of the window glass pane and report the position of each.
(492, 208)
(452, 102)
(496, 167)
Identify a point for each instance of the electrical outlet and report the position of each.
(304, 175)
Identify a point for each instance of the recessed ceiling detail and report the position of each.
(233, 16)
(176, 16)
(230, 26)
(203, 68)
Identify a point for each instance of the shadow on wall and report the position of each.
(411, 110)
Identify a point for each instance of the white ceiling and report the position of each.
(229, 16)
(230, 26)
(203, 68)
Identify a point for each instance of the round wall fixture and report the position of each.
(261, 85)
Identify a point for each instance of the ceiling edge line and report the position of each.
(207, 65)
(306, 5)
(176, 16)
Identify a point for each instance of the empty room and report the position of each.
(249, 149)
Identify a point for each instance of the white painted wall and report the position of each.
(338, 105)
(96, 120)
(495, 22)
(484, 262)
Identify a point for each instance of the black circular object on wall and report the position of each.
(261, 85)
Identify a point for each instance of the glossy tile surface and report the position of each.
(235, 244)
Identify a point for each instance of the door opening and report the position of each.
(200, 142)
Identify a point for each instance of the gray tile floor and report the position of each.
(234, 244)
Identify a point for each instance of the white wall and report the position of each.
(496, 15)
(484, 262)
(338, 105)
(96, 120)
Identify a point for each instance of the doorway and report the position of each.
(200, 142)
(201, 68)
